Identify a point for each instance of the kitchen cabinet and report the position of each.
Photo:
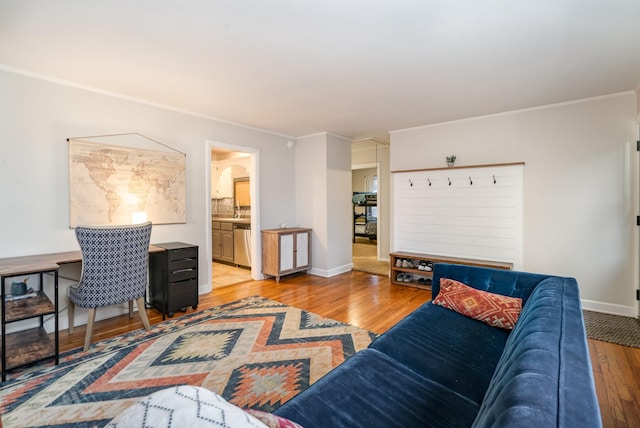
(221, 181)
(225, 183)
(222, 241)
(223, 174)
(286, 251)
(173, 277)
(241, 193)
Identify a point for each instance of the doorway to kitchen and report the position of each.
(232, 192)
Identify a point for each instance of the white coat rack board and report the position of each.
(470, 212)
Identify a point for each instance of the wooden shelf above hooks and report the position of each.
(458, 167)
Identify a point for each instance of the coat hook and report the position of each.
(494, 179)
(410, 183)
(429, 181)
(470, 181)
(449, 181)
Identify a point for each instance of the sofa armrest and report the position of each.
(544, 377)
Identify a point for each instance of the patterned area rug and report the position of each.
(612, 328)
(255, 353)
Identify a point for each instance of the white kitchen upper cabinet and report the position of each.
(225, 183)
(223, 172)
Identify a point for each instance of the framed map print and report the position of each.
(109, 184)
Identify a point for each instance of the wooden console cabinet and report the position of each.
(173, 277)
(421, 278)
(286, 251)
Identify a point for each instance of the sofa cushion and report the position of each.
(372, 390)
(458, 352)
(493, 309)
(544, 376)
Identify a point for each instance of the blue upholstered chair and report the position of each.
(115, 263)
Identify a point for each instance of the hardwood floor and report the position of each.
(616, 371)
(371, 302)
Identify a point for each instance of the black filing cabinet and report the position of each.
(173, 277)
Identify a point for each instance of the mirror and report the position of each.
(241, 195)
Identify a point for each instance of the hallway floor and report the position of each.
(224, 275)
(365, 259)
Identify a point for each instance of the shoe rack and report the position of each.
(416, 270)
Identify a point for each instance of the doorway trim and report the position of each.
(256, 241)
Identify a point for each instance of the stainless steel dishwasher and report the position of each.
(242, 244)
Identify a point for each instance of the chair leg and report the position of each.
(91, 314)
(142, 310)
(71, 312)
(131, 309)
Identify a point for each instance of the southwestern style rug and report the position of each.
(256, 353)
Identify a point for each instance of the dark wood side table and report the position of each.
(173, 277)
(32, 345)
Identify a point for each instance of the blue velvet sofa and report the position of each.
(438, 368)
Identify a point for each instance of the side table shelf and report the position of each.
(35, 344)
(411, 275)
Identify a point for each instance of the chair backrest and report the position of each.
(114, 264)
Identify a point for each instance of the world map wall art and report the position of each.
(109, 183)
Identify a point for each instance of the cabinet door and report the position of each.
(216, 244)
(227, 246)
(286, 252)
(225, 183)
(302, 249)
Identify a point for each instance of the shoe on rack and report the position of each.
(398, 262)
(400, 277)
(407, 277)
(428, 266)
(406, 263)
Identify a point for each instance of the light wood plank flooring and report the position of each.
(223, 275)
(371, 302)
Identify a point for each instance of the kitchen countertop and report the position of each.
(240, 220)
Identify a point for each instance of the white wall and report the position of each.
(338, 205)
(580, 197)
(358, 178)
(311, 191)
(323, 200)
(37, 118)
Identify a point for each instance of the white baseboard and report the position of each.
(328, 273)
(610, 308)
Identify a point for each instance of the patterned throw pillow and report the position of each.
(184, 406)
(494, 309)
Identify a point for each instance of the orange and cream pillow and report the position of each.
(494, 309)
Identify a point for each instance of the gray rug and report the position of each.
(612, 328)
